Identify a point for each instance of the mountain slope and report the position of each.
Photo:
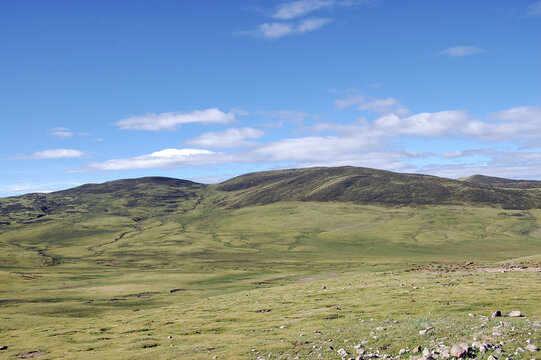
(367, 186)
(151, 196)
(502, 182)
(128, 197)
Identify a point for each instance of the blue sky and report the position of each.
(92, 91)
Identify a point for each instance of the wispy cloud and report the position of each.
(172, 120)
(291, 10)
(63, 132)
(164, 159)
(56, 154)
(291, 18)
(380, 106)
(228, 139)
(459, 51)
(277, 30)
(27, 187)
(534, 9)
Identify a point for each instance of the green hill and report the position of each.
(502, 182)
(368, 186)
(149, 196)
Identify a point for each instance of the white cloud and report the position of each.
(290, 10)
(61, 132)
(168, 158)
(230, 138)
(534, 9)
(381, 106)
(452, 154)
(27, 187)
(171, 120)
(514, 124)
(56, 154)
(311, 25)
(459, 51)
(277, 30)
(443, 123)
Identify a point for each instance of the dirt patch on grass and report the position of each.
(31, 354)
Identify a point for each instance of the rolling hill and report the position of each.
(149, 196)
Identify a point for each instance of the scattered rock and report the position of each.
(323, 287)
(4, 347)
(515, 313)
(492, 357)
(457, 351)
(416, 349)
(427, 352)
(496, 313)
(532, 348)
(402, 351)
(342, 352)
(380, 328)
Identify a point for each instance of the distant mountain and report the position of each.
(368, 186)
(149, 196)
(503, 183)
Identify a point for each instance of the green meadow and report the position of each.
(223, 282)
(166, 269)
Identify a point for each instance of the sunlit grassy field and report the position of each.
(244, 283)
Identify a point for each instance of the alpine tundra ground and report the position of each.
(177, 270)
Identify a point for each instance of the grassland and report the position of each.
(162, 275)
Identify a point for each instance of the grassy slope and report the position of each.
(368, 186)
(233, 265)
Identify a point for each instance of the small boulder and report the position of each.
(416, 349)
(532, 348)
(4, 347)
(515, 313)
(496, 313)
(458, 352)
(342, 352)
(492, 357)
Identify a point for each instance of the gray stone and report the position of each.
(416, 349)
(532, 348)
(496, 313)
(515, 313)
(342, 352)
(458, 352)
